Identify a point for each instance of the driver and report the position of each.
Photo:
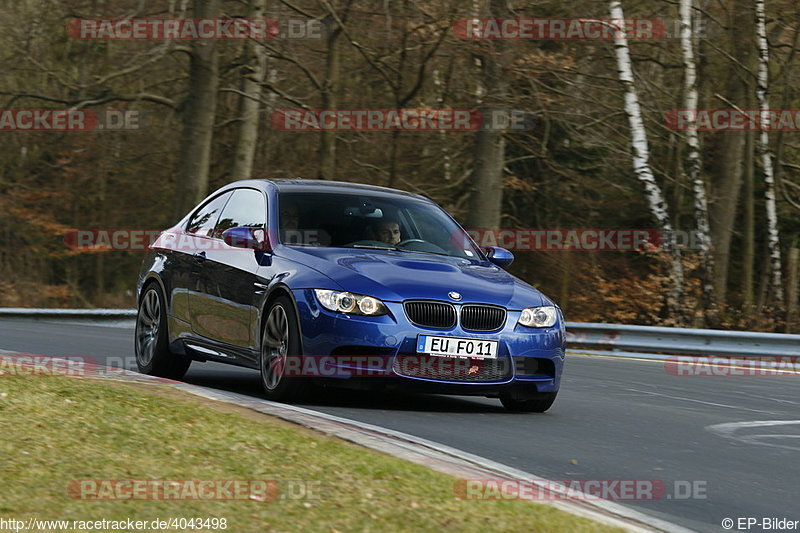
(388, 231)
(290, 223)
(290, 216)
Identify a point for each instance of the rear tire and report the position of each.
(534, 405)
(153, 356)
(280, 339)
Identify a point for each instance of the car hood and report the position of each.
(397, 276)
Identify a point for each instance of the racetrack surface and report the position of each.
(614, 419)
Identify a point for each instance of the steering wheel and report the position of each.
(408, 241)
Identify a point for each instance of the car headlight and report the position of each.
(538, 317)
(347, 302)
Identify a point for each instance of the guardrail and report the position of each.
(621, 338)
(618, 339)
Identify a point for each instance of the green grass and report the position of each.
(55, 429)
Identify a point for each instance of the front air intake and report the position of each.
(439, 315)
(482, 317)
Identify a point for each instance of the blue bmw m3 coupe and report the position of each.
(328, 283)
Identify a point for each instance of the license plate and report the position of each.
(457, 347)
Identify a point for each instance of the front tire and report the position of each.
(280, 342)
(539, 404)
(153, 356)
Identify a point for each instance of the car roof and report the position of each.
(344, 187)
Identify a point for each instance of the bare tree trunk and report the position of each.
(566, 277)
(198, 116)
(749, 256)
(394, 151)
(486, 197)
(791, 289)
(698, 185)
(773, 241)
(393, 155)
(265, 144)
(441, 100)
(641, 166)
(727, 180)
(253, 67)
(725, 149)
(327, 146)
(789, 86)
(487, 180)
(101, 219)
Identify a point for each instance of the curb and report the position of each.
(439, 457)
(89, 314)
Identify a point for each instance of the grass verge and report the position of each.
(56, 430)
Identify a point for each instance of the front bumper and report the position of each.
(362, 347)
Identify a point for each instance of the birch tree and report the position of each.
(693, 157)
(762, 146)
(641, 164)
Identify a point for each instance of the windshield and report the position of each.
(370, 222)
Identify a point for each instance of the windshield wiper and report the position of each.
(373, 247)
(425, 252)
(396, 249)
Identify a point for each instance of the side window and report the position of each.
(246, 208)
(203, 221)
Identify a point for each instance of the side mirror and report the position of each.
(249, 238)
(499, 256)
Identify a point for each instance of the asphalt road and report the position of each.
(614, 419)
